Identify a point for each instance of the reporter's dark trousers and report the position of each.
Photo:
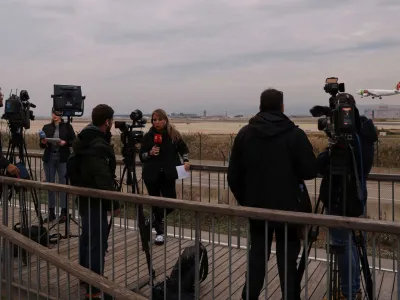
(258, 259)
(163, 187)
(94, 230)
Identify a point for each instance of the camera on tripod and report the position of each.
(339, 117)
(129, 137)
(68, 99)
(17, 110)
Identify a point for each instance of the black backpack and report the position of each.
(39, 234)
(74, 175)
(187, 267)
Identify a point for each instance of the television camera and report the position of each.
(130, 137)
(17, 111)
(339, 117)
(68, 99)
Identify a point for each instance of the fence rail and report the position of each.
(219, 167)
(209, 208)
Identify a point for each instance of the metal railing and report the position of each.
(207, 184)
(197, 222)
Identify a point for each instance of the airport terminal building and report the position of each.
(383, 112)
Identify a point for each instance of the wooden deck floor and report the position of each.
(130, 264)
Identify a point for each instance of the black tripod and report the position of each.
(341, 155)
(143, 223)
(37, 233)
(67, 233)
(17, 142)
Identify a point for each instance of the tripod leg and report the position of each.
(330, 292)
(144, 229)
(365, 269)
(24, 220)
(336, 288)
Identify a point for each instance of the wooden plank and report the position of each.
(271, 273)
(386, 289)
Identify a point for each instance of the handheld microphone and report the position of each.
(157, 140)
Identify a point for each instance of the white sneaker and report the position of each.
(159, 240)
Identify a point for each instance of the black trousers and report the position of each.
(163, 187)
(95, 232)
(257, 259)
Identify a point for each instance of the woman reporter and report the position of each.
(55, 158)
(159, 164)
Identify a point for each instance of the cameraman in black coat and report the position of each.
(271, 157)
(363, 142)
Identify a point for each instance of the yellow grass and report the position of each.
(217, 146)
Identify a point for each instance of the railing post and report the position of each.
(8, 262)
(5, 204)
(4, 212)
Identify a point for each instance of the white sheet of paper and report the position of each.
(182, 173)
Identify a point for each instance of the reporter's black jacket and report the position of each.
(166, 161)
(97, 160)
(66, 133)
(270, 157)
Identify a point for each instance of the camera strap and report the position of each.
(360, 192)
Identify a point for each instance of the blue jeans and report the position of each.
(50, 169)
(341, 237)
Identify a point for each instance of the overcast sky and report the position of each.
(190, 55)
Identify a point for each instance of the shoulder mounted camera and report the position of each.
(17, 110)
(130, 137)
(339, 117)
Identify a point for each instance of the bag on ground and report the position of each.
(187, 275)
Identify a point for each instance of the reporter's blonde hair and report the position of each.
(172, 131)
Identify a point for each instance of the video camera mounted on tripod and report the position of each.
(129, 137)
(17, 111)
(339, 120)
(341, 190)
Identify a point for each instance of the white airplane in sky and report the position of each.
(379, 93)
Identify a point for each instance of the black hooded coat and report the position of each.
(271, 157)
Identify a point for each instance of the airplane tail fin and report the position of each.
(398, 86)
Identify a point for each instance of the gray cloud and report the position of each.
(195, 55)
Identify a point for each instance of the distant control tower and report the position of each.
(204, 113)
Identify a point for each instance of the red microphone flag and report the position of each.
(158, 139)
